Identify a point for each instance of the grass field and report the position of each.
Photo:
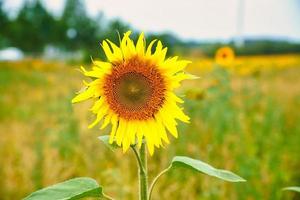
(244, 118)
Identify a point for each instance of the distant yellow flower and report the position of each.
(133, 92)
(224, 56)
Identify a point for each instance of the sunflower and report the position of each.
(224, 56)
(134, 92)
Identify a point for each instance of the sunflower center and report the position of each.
(133, 90)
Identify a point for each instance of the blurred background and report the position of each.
(244, 109)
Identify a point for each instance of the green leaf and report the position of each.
(105, 140)
(199, 166)
(71, 189)
(292, 188)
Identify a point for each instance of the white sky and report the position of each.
(197, 19)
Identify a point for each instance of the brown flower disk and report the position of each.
(135, 89)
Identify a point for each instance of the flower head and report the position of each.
(224, 56)
(134, 92)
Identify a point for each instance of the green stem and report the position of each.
(143, 173)
(141, 158)
(156, 179)
(138, 158)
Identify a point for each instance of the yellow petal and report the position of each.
(169, 63)
(174, 97)
(131, 47)
(160, 56)
(168, 121)
(114, 122)
(150, 147)
(149, 48)
(109, 54)
(159, 47)
(174, 67)
(152, 130)
(161, 129)
(178, 113)
(88, 93)
(83, 70)
(97, 105)
(120, 132)
(149, 132)
(132, 127)
(106, 121)
(140, 45)
(127, 46)
(116, 51)
(148, 137)
(95, 82)
(96, 73)
(176, 79)
(126, 137)
(139, 133)
(105, 66)
(101, 113)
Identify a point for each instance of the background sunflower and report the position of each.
(224, 56)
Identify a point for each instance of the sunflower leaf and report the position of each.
(76, 188)
(292, 188)
(105, 140)
(200, 166)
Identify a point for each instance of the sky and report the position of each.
(198, 19)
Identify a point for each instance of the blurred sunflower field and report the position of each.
(244, 117)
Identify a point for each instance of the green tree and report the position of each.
(80, 30)
(33, 27)
(168, 40)
(115, 27)
(4, 24)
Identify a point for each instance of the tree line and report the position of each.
(34, 28)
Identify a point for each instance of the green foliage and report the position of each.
(292, 188)
(253, 127)
(4, 24)
(33, 28)
(186, 162)
(72, 189)
(80, 31)
(3, 16)
(200, 166)
(68, 127)
(105, 140)
(267, 47)
(251, 47)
